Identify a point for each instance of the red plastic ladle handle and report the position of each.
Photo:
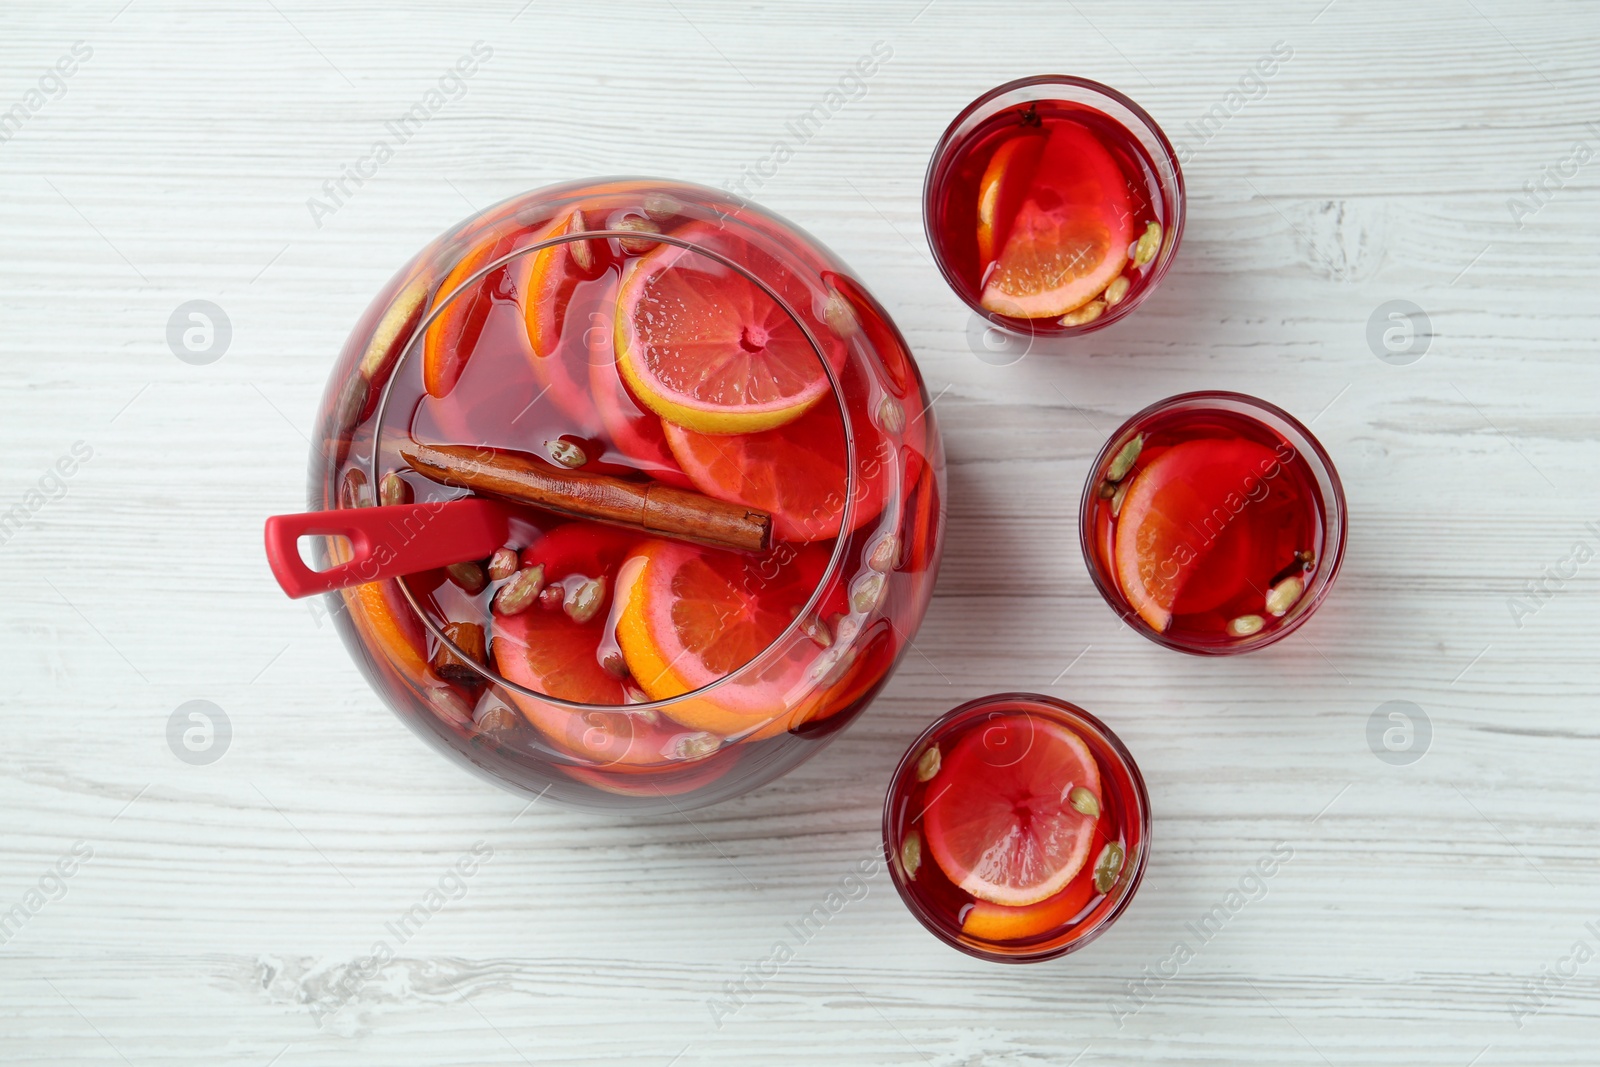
(385, 542)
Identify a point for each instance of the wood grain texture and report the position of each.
(223, 906)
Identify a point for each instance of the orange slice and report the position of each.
(452, 336)
(1003, 830)
(1178, 545)
(1071, 235)
(383, 617)
(704, 347)
(996, 922)
(562, 319)
(1007, 177)
(391, 625)
(549, 653)
(552, 275)
(874, 655)
(796, 472)
(691, 616)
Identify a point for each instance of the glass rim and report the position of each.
(835, 562)
(1177, 195)
(1335, 528)
(1053, 706)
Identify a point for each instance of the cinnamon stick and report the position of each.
(650, 506)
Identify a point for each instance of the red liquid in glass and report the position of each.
(1215, 530)
(1035, 781)
(1070, 176)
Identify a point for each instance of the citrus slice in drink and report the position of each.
(798, 472)
(997, 922)
(1007, 177)
(864, 671)
(703, 346)
(1070, 237)
(1185, 528)
(379, 610)
(567, 321)
(453, 335)
(388, 621)
(691, 616)
(549, 653)
(1003, 830)
(552, 273)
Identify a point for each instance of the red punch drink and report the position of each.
(1213, 523)
(639, 336)
(1017, 828)
(1053, 205)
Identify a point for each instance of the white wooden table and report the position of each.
(1431, 913)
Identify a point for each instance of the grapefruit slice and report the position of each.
(1003, 829)
(1180, 541)
(704, 347)
(1007, 177)
(1071, 235)
(549, 653)
(997, 922)
(691, 616)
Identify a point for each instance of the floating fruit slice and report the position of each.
(796, 472)
(925, 517)
(1007, 177)
(691, 616)
(1071, 235)
(393, 329)
(385, 619)
(568, 320)
(453, 335)
(553, 274)
(997, 922)
(1004, 830)
(391, 625)
(634, 430)
(1179, 534)
(549, 653)
(704, 347)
